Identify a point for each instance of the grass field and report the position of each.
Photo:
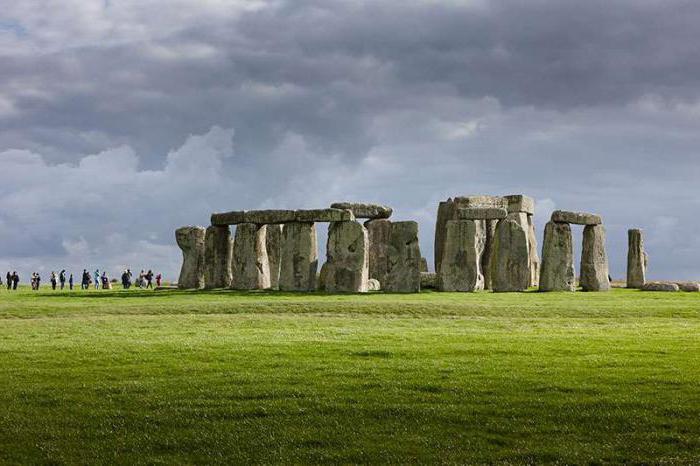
(163, 377)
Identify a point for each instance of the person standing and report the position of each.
(149, 279)
(85, 283)
(9, 280)
(15, 280)
(54, 280)
(159, 280)
(38, 281)
(62, 278)
(97, 279)
(70, 282)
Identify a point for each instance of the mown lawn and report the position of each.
(192, 377)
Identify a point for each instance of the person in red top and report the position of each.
(159, 280)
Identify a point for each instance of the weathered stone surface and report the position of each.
(481, 213)
(347, 258)
(660, 286)
(423, 264)
(689, 286)
(359, 210)
(446, 212)
(273, 244)
(321, 278)
(481, 201)
(510, 260)
(534, 256)
(577, 218)
(636, 259)
(404, 259)
(557, 272)
(324, 215)
(520, 203)
(272, 216)
(250, 267)
(594, 260)
(428, 280)
(299, 257)
(190, 239)
(373, 285)
(218, 250)
(460, 268)
(228, 218)
(490, 230)
(379, 233)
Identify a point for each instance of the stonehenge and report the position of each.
(460, 268)
(299, 260)
(557, 273)
(250, 265)
(379, 232)
(273, 243)
(636, 259)
(191, 241)
(347, 258)
(510, 262)
(218, 251)
(404, 259)
(594, 275)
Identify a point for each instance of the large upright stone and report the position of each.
(191, 241)
(299, 257)
(360, 210)
(490, 231)
(404, 259)
(636, 259)
(460, 268)
(250, 266)
(273, 244)
(557, 273)
(510, 260)
(534, 257)
(218, 250)
(347, 258)
(594, 260)
(379, 233)
(446, 212)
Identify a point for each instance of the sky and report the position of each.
(121, 120)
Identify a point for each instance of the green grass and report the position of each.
(193, 377)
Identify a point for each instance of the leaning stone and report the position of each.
(481, 201)
(423, 264)
(577, 218)
(371, 211)
(228, 218)
(404, 259)
(264, 217)
(520, 203)
(373, 285)
(250, 266)
(347, 258)
(460, 268)
(594, 260)
(557, 272)
(660, 286)
(510, 261)
(273, 244)
(299, 257)
(191, 242)
(490, 229)
(323, 215)
(636, 259)
(482, 213)
(218, 250)
(689, 286)
(428, 280)
(379, 233)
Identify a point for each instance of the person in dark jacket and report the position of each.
(70, 282)
(15, 280)
(9, 280)
(62, 278)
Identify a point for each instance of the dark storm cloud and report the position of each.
(588, 105)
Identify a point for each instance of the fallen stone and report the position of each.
(636, 259)
(250, 267)
(228, 218)
(403, 274)
(299, 257)
(689, 286)
(373, 285)
(428, 280)
(557, 273)
(324, 215)
(190, 240)
(594, 260)
(423, 264)
(510, 261)
(520, 203)
(577, 218)
(659, 286)
(379, 234)
(460, 268)
(481, 213)
(273, 244)
(218, 250)
(347, 258)
(371, 211)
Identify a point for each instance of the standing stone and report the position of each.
(510, 260)
(490, 231)
(299, 257)
(534, 257)
(423, 264)
(460, 268)
(218, 251)
(191, 242)
(347, 258)
(594, 260)
(379, 232)
(557, 272)
(250, 266)
(636, 259)
(404, 259)
(273, 244)
(446, 212)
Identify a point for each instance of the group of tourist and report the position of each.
(98, 280)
